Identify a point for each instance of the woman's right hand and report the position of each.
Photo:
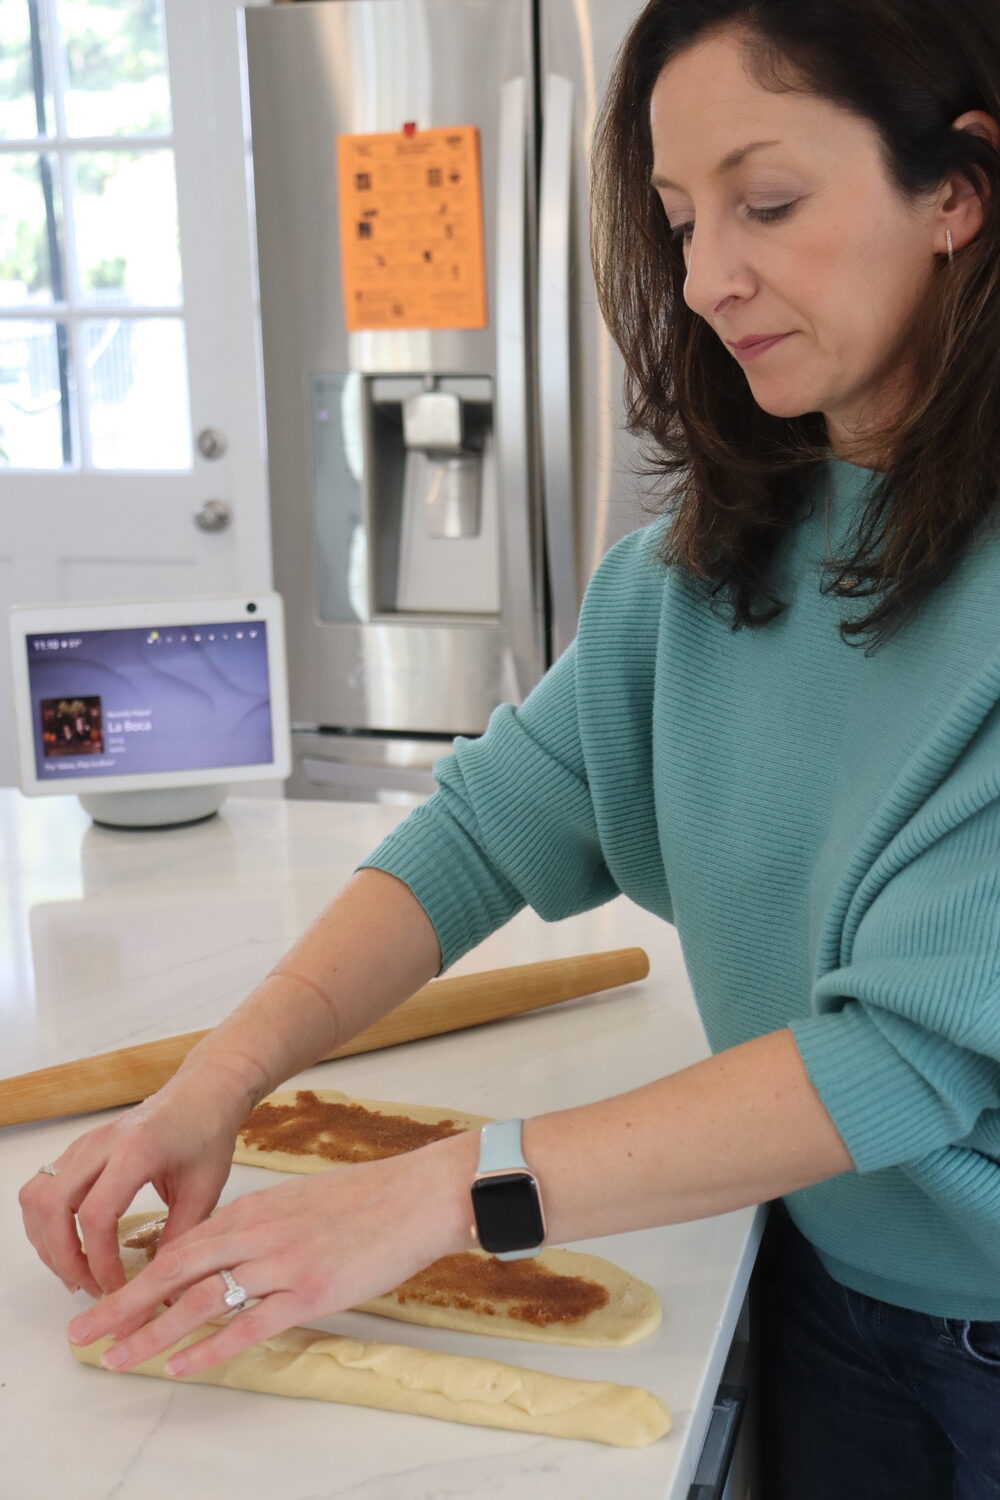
(180, 1140)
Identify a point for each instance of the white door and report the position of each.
(131, 446)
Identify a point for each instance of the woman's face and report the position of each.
(804, 236)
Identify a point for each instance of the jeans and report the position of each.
(863, 1400)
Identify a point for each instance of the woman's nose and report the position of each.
(716, 273)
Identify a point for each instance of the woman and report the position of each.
(820, 821)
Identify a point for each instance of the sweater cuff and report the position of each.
(463, 897)
(886, 1110)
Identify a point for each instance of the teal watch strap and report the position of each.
(500, 1146)
(500, 1152)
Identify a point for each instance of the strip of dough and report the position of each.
(308, 1363)
(391, 1128)
(557, 1297)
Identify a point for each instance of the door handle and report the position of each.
(711, 1477)
(214, 515)
(519, 570)
(554, 358)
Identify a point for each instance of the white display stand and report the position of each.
(156, 807)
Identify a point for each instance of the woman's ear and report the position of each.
(960, 207)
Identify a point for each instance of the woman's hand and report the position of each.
(181, 1140)
(304, 1248)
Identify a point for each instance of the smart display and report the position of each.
(158, 694)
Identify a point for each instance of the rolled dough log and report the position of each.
(308, 1363)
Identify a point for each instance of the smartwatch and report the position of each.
(506, 1202)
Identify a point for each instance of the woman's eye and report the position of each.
(683, 232)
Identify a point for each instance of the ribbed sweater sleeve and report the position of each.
(903, 1046)
(512, 824)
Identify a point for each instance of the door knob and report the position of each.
(212, 442)
(214, 515)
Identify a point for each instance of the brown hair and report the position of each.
(735, 476)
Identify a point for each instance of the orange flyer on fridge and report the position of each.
(411, 229)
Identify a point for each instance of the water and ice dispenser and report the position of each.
(406, 496)
(446, 490)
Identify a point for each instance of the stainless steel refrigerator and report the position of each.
(439, 497)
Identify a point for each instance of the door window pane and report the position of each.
(31, 411)
(125, 208)
(25, 261)
(135, 371)
(116, 66)
(18, 112)
(83, 380)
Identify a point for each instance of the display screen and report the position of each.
(149, 700)
(508, 1213)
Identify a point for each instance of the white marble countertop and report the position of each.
(109, 938)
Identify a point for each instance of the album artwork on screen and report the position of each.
(71, 726)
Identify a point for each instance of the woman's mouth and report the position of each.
(751, 348)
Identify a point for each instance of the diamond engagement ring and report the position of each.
(236, 1295)
(49, 1170)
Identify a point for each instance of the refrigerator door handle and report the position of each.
(519, 570)
(554, 342)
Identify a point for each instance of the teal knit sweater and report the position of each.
(824, 830)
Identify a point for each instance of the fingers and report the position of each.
(191, 1206)
(139, 1338)
(98, 1214)
(47, 1208)
(189, 1210)
(273, 1315)
(66, 1254)
(32, 1227)
(98, 1177)
(85, 1185)
(174, 1269)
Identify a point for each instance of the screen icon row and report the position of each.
(157, 638)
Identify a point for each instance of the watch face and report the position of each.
(508, 1213)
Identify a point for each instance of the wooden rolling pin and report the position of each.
(131, 1073)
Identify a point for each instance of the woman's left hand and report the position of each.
(305, 1248)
